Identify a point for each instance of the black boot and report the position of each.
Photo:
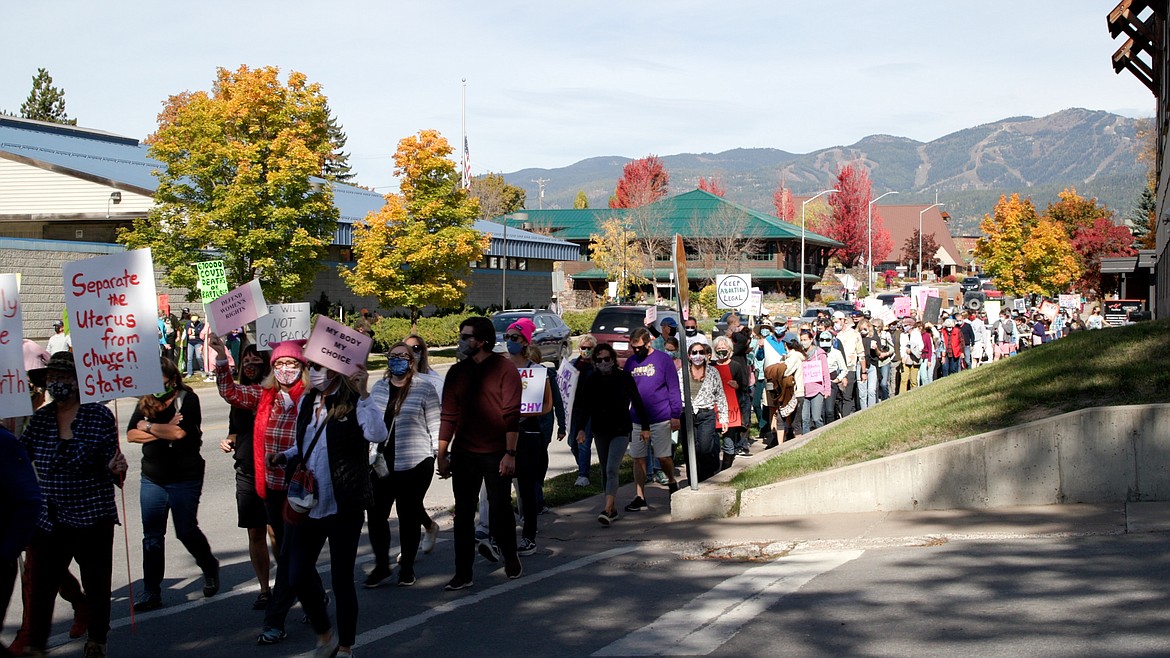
(728, 460)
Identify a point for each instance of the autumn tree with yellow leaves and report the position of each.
(617, 252)
(236, 182)
(416, 251)
(1026, 253)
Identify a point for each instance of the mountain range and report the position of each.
(1094, 151)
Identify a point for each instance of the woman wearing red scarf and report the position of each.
(275, 401)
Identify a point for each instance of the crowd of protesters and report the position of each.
(318, 454)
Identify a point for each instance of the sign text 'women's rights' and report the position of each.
(237, 308)
(337, 346)
(111, 305)
(14, 399)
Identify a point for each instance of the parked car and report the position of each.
(848, 308)
(551, 334)
(810, 312)
(971, 284)
(721, 323)
(613, 325)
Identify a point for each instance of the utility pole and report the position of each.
(540, 192)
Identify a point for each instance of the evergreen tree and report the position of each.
(336, 166)
(582, 201)
(45, 102)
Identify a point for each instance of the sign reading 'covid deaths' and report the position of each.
(111, 306)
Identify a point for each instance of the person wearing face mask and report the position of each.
(816, 384)
(582, 452)
(478, 432)
(667, 327)
(654, 373)
(274, 401)
(401, 415)
(952, 348)
(691, 329)
(838, 374)
(168, 425)
(868, 385)
(74, 449)
(733, 377)
(250, 511)
(603, 402)
(423, 370)
(709, 407)
(330, 443)
(849, 340)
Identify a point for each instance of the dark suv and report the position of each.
(613, 325)
(551, 334)
(971, 284)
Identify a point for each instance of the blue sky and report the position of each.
(549, 84)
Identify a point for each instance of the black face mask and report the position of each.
(641, 352)
(692, 331)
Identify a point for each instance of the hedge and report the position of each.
(436, 331)
(580, 322)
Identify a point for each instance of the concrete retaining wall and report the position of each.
(1103, 454)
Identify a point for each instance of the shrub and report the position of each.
(707, 301)
(580, 322)
(436, 331)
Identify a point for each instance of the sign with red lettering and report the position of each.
(813, 372)
(111, 305)
(237, 308)
(14, 398)
(532, 382)
(337, 346)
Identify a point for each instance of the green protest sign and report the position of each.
(212, 280)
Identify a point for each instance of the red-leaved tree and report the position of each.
(1091, 242)
(785, 206)
(929, 250)
(850, 221)
(643, 182)
(712, 185)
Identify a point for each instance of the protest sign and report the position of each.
(932, 310)
(532, 382)
(212, 280)
(923, 293)
(567, 378)
(902, 307)
(813, 372)
(1021, 304)
(1049, 310)
(885, 314)
(14, 398)
(337, 346)
(754, 306)
(237, 308)
(992, 307)
(1070, 301)
(111, 305)
(283, 322)
(732, 290)
(651, 316)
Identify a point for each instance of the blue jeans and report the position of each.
(867, 390)
(181, 499)
(194, 356)
(951, 365)
(812, 413)
(758, 404)
(884, 382)
(581, 452)
(926, 372)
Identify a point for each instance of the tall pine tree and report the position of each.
(336, 166)
(45, 102)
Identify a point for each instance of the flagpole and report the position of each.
(464, 175)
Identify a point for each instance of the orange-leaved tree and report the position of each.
(643, 182)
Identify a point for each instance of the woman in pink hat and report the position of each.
(531, 450)
(275, 401)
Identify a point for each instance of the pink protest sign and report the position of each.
(111, 304)
(1049, 310)
(921, 295)
(337, 346)
(902, 307)
(14, 399)
(813, 373)
(237, 308)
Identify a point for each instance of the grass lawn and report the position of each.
(559, 490)
(1122, 366)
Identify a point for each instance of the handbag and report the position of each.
(378, 458)
(302, 486)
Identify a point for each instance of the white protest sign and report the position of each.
(532, 382)
(337, 346)
(567, 379)
(283, 322)
(732, 290)
(651, 315)
(992, 307)
(237, 308)
(755, 303)
(14, 399)
(113, 321)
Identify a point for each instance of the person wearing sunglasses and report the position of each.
(709, 407)
(603, 401)
(654, 373)
(478, 432)
(583, 362)
(423, 370)
(401, 415)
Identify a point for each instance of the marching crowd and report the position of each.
(318, 455)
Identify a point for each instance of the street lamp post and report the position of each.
(522, 216)
(802, 207)
(869, 282)
(920, 214)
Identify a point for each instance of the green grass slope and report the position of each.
(1122, 366)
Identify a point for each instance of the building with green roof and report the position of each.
(720, 237)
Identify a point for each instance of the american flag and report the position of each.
(465, 182)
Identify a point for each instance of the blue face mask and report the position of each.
(398, 366)
(515, 348)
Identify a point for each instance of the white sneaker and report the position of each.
(430, 536)
(582, 481)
